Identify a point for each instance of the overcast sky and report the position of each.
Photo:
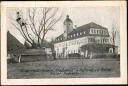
(105, 16)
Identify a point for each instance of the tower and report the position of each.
(68, 26)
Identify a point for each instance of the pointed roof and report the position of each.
(67, 19)
(13, 44)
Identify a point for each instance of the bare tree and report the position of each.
(114, 36)
(38, 22)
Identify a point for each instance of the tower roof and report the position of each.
(67, 19)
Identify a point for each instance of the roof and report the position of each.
(34, 52)
(13, 45)
(84, 28)
(67, 19)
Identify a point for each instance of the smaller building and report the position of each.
(14, 46)
(30, 55)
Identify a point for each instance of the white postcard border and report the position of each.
(123, 44)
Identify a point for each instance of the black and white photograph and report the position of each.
(63, 42)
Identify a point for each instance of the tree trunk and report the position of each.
(38, 44)
(42, 40)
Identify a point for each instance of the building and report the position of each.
(14, 46)
(87, 40)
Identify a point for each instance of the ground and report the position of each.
(65, 68)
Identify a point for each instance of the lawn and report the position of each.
(66, 68)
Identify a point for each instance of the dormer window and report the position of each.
(77, 34)
(84, 32)
(74, 35)
(80, 33)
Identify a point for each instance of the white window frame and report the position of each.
(77, 34)
(96, 31)
(74, 34)
(84, 32)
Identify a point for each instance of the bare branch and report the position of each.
(38, 24)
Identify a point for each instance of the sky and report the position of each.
(105, 16)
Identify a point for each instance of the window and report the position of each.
(106, 33)
(74, 51)
(80, 33)
(84, 32)
(91, 40)
(102, 32)
(77, 42)
(106, 40)
(98, 31)
(92, 31)
(74, 42)
(95, 31)
(74, 35)
(103, 40)
(77, 34)
(71, 36)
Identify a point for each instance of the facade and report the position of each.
(87, 40)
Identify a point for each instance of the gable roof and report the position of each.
(83, 29)
(13, 45)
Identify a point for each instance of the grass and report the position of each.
(66, 68)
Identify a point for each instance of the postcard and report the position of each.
(63, 42)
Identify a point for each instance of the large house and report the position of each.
(87, 40)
